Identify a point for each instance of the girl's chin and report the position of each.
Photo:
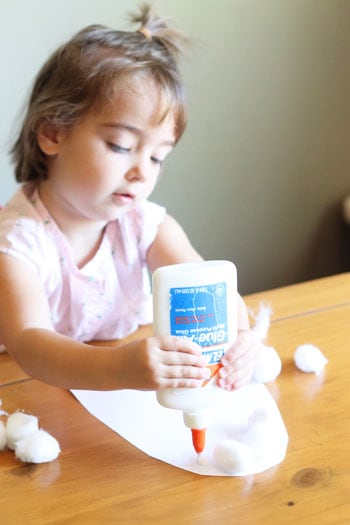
(116, 212)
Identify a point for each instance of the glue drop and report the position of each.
(199, 301)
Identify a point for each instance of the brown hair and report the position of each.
(84, 73)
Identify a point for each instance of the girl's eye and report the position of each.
(118, 149)
(157, 161)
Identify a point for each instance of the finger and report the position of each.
(179, 344)
(183, 359)
(239, 372)
(245, 360)
(186, 372)
(244, 342)
(188, 377)
(181, 351)
(180, 383)
(236, 377)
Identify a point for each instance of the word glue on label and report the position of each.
(198, 301)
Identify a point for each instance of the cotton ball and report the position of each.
(39, 447)
(234, 457)
(309, 358)
(3, 436)
(268, 365)
(2, 412)
(262, 322)
(18, 426)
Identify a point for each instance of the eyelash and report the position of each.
(157, 161)
(120, 149)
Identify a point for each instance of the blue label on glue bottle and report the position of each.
(200, 314)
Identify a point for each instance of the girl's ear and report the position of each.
(48, 137)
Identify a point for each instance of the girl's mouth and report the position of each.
(123, 198)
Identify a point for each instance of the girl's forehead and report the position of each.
(146, 103)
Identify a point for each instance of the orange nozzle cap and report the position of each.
(198, 439)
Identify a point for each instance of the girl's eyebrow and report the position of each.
(133, 129)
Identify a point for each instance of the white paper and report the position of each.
(161, 433)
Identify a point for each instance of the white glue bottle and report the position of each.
(199, 301)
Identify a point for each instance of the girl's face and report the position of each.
(109, 161)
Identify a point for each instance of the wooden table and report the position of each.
(101, 479)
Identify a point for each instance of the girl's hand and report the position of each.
(162, 362)
(239, 361)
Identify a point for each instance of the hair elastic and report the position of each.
(146, 33)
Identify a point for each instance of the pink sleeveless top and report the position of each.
(110, 296)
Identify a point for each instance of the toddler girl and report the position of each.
(79, 236)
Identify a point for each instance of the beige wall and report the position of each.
(260, 173)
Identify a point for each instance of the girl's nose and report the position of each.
(136, 173)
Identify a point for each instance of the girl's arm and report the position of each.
(147, 363)
(171, 246)
(26, 331)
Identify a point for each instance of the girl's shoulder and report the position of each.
(20, 210)
(23, 231)
(22, 214)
